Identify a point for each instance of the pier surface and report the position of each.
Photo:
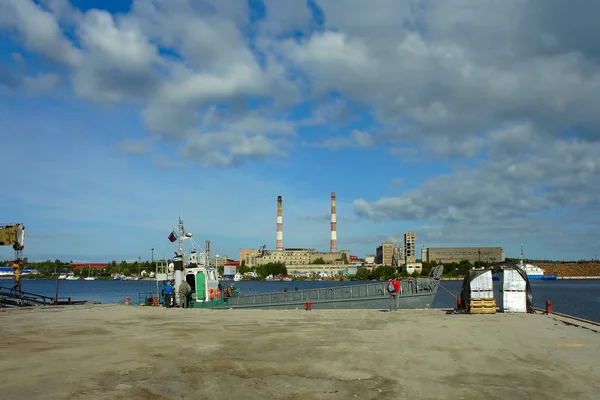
(131, 352)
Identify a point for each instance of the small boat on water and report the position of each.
(89, 277)
(238, 277)
(252, 275)
(71, 277)
(208, 292)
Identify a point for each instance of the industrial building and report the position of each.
(296, 256)
(457, 254)
(388, 254)
(384, 254)
(410, 248)
(292, 256)
(410, 254)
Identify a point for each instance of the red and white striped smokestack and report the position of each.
(279, 244)
(333, 241)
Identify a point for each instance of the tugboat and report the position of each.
(533, 271)
(199, 274)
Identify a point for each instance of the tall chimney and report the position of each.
(333, 241)
(279, 245)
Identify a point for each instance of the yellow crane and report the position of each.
(14, 235)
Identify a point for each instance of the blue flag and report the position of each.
(172, 236)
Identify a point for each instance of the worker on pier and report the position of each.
(169, 294)
(184, 294)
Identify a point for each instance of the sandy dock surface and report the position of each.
(132, 352)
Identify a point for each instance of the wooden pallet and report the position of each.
(482, 306)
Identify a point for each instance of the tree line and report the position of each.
(57, 267)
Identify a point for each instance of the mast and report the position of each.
(522, 259)
(179, 265)
(181, 233)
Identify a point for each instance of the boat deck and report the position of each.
(349, 296)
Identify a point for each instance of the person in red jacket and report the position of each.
(393, 288)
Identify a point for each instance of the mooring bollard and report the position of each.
(127, 300)
(548, 307)
(458, 303)
(308, 305)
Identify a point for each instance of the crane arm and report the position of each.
(14, 235)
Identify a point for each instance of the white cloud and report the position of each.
(41, 83)
(39, 30)
(356, 139)
(524, 175)
(505, 90)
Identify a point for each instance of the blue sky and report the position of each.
(116, 118)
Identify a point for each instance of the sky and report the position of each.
(467, 122)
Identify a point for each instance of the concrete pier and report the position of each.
(132, 352)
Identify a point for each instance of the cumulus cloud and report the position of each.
(40, 83)
(506, 90)
(355, 139)
(11, 79)
(526, 185)
(174, 61)
(438, 85)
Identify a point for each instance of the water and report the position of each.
(578, 298)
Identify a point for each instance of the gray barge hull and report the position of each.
(415, 293)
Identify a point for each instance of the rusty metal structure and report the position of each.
(14, 235)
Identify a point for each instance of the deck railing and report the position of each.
(363, 291)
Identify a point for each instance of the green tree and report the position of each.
(363, 274)
(383, 272)
(244, 268)
(272, 268)
(427, 267)
(319, 261)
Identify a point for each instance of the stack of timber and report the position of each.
(571, 269)
(482, 294)
(482, 306)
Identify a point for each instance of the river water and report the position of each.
(580, 298)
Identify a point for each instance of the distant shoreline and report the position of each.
(557, 278)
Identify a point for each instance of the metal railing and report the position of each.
(364, 291)
(14, 298)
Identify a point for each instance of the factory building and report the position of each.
(384, 253)
(296, 256)
(293, 256)
(457, 254)
(410, 254)
(388, 254)
(410, 249)
(248, 256)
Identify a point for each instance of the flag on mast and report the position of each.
(172, 236)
